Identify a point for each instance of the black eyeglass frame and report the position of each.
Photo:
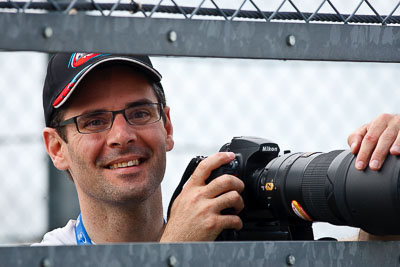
(114, 113)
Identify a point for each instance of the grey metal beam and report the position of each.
(199, 38)
(282, 253)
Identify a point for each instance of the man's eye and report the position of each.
(94, 122)
(140, 114)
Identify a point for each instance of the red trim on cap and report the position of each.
(63, 94)
(79, 60)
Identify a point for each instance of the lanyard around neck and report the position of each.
(82, 238)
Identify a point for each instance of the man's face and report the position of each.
(92, 158)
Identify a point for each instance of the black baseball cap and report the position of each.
(66, 70)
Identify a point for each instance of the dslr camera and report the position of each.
(285, 193)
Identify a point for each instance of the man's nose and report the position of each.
(121, 132)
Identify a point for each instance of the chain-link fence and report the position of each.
(362, 11)
(23, 168)
(301, 105)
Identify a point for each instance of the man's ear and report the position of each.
(55, 148)
(169, 129)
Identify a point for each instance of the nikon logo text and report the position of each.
(269, 149)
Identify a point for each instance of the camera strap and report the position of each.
(185, 177)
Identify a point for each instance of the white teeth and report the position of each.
(134, 162)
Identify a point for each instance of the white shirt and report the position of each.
(60, 236)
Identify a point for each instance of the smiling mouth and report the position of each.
(126, 164)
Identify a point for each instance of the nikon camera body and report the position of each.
(284, 194)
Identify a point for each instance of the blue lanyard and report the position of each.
(82, 238)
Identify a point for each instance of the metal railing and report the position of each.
(248, 30)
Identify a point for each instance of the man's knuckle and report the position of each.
(202, 166)
(241, 205)
(210, 223)
(237, 223)
(235, 196)
(384, 117)
(390, 134)
(196, 196)
(371, 138)
(229, 181)
(194, 176)
(241, 185)
(395, 123)
(205, 209)
(223, 182)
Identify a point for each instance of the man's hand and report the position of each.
(196, 212)
(373, 141)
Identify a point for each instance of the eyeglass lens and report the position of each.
(100, 121)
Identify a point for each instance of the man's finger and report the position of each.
(223, 184)
(206, 166)
(382, 148)
(369, 143)
(228, 200)
(354, 140)
(231, 222)
(395, 149)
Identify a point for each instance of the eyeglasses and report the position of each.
(95, 122)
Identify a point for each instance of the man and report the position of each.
(108, 126)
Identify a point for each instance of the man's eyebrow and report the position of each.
(91, 111)
(139, 102)
(128, 105)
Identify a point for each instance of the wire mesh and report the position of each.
(247, 9)
(23, 172)
(245, 107)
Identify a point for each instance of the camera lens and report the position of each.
(327, 187)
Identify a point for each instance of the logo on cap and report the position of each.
(78, 59)
(67, 89)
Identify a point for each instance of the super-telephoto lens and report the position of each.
(327, 187)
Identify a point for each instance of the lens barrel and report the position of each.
(327, 187)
